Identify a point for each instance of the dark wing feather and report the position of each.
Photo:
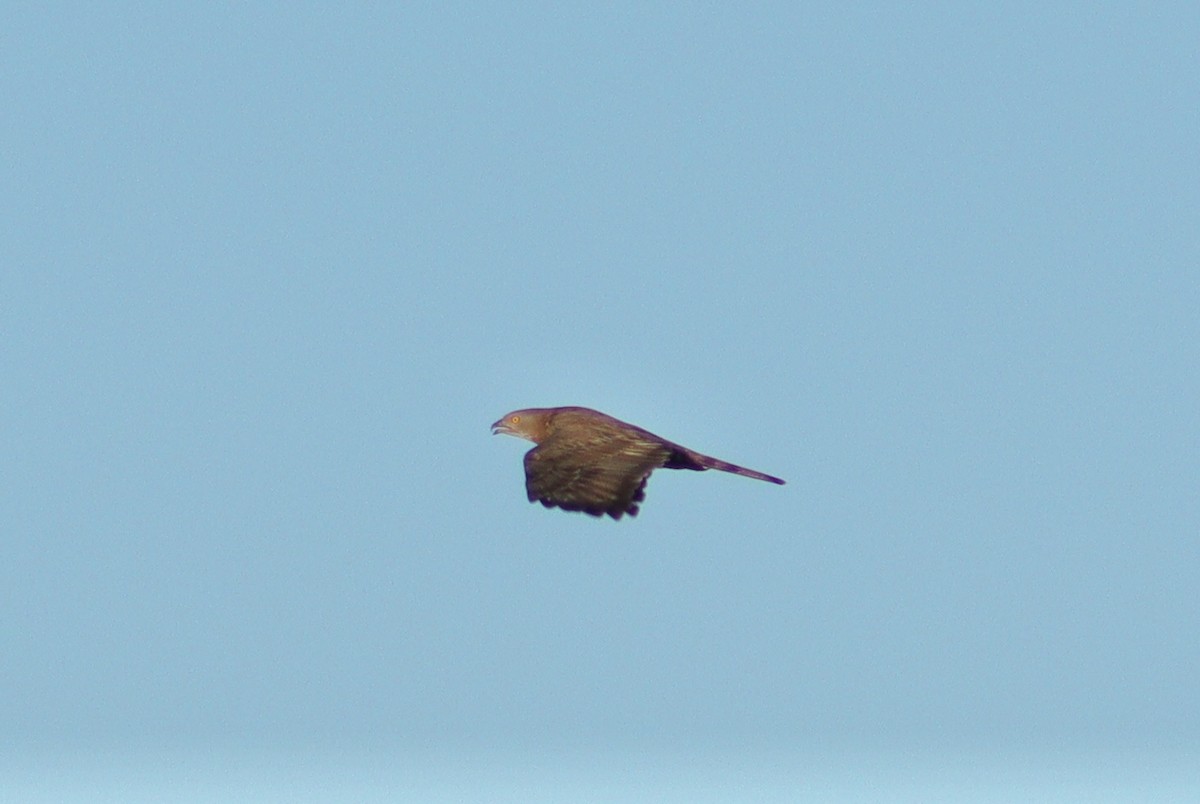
(601, 472)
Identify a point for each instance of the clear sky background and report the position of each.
(268, 272)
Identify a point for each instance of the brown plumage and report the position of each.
(588, 461)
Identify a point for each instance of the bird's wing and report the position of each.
(604, 473)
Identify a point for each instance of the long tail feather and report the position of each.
(724, 466)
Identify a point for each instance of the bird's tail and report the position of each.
(687, 459)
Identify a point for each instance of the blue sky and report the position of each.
(271, 270)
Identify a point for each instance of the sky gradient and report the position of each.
(271, 270)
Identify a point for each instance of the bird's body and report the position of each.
(588, 461)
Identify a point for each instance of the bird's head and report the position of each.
(529, 424)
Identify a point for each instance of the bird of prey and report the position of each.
(588, 461)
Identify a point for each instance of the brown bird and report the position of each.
(588, 461)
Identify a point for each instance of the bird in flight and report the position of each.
(588, 461)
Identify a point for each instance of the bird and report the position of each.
(588, 461)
